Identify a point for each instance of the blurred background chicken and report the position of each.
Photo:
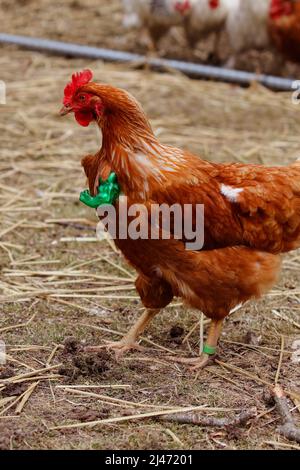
(247, 26)
(239, 26)
(206, 17)
(284, 28)
(131, 18)
(155, 16)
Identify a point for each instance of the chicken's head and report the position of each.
(281, 8)
(86, 106)
(183, 6)
(108, 106)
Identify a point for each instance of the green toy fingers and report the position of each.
(108, 193)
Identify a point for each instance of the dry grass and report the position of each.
(55, 283)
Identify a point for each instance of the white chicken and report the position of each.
(157, 16)
(247, 26)
(131, 18)
(206, 17)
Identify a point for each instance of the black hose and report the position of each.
(190, 69)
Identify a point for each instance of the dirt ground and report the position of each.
(61, 289)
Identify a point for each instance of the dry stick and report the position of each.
(38, 293)
(35, 263)
(40, 377)
(174, 437)
(27, 348)
(79, 239)
(264, 413)
(72, 281)
(252, 346)
(281, 444)
(11, 228)
(83, 263)
(20, 399)
(11, 359)
(286, 318)
(9, 417)
(102, 288)
(120, 268)
(6, 400)
(26, 397)
(12, 404)
(128, 418)
(13, 245)
(157, 345)
(26, 259)
(114, 400)
(288, 429)
(280, 360)
(70, 304)
(2, 245)
(68, 292)
(36, 373)
(88, 222)
(240, 419)
(52, 354)
(205, 322)
(253, 377)
(233, 382)
(59, 274)
(126, 386)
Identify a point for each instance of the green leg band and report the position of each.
(209, 350)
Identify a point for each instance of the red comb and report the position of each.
(78, 79)
(183, 7)
(281, 8)
(214, 4)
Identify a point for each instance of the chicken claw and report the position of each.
(194, 362)
(121, 347)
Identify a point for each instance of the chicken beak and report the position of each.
(65, 110)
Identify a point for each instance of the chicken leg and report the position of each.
(208, 350)
(130, 340)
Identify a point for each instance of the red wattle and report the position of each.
(84, 117)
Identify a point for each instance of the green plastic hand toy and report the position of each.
(108, 193)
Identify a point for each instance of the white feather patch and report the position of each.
(231, 193)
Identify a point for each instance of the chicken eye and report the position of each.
(81, 98)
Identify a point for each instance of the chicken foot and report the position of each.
(130, 340)
(208, 350)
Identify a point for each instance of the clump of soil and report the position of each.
(176, 334)
(94, 364)
(72, 345)
(85, 414)
(78, 362)
(176, 331)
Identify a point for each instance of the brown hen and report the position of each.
(252, 213)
